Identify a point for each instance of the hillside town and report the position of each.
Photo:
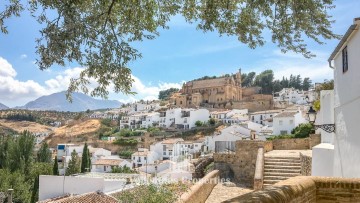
(243, 135)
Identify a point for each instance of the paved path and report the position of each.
(221, 193)
(287, 153)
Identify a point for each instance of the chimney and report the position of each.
(357, 20)
(10, 195)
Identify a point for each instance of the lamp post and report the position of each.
(330, 128)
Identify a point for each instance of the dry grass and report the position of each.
(80, 128)
(20, 126)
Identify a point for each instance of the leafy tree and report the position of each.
(326, 85)
(17, 181)
(73, 165)
(303, 130)
(20, 152)
(165, 94)
(55, 167)
(85, 159)
(248, 79)
(98, 35)
(198, 123)
(212, 121)
(306, 84)
(316, 105)
(38, 169)
(122, 169)
(277, 86)
(44, 153)
(265, 80)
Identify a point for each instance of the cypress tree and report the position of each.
(85, 159)
(73, 166)
(55, 167)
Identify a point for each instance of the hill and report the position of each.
(2, 106)
(20, 126)
(81, 102)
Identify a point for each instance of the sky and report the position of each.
(179, 54)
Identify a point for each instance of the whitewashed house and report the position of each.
(341, 150)
(168, 149)
(142, 157)
(231, 133)
(263, 117)
(140, 120)
(106, 165)
(230, 116)
(289, 96)
(286, 121)
(190, 116)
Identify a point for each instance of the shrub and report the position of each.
(198, 123)
(126, 142)
(302, 131)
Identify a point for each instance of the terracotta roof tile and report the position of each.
(93, 197)
(111, 162)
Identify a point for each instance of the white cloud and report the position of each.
(6, 69)
(14, 92)
(23, 56)
(287, 64)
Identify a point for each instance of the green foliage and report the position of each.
(316, 105)
(153, 129)
(326, 85)
(198, 123)
(280, 137)
(17, 181)
(209, 168)
(303, 130)
(212, 121)
(125, 154)
(265, 81)
(44, 153)
(55, 167)
(126, 142)
(165, 94)
(129, 133)
(106, 121)
(247, 80)
(21, 117)
(122, 169)
(85, 164)
(36, 170)
(151, 193)
(73, 165)
(102, 32)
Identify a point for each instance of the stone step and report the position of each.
(275, 178)
(270, 182)
(282, 167)
(282, 157)
(285, 174)
(282, 163)
(281, 170)
(283, 160)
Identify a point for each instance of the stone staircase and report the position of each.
(278, 168)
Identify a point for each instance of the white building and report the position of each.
(140, 120)
(230, 116)
(168, 149)
(264, 117)
(345, 142)
(142, 157)
(182, 118)
(286, 121)
(106, 165)
(231, 133)
(289, 96)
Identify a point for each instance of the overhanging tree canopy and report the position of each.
(97, 34)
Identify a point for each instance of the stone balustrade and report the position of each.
(259, 170)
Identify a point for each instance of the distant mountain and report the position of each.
(80, 102)
(2, 106)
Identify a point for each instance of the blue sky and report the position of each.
(179, 54)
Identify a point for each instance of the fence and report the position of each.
(225, 147)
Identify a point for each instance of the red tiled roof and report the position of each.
(93, 197)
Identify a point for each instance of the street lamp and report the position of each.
(311, 114)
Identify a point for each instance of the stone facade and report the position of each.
(220, 92)
(291, 144)
(307, 189)
(240, 165)
(199, 192)
(305, 160)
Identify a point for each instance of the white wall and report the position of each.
(322, 160)
(52, 186)
(347, 111)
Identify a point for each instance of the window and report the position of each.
(170, 153)
(280, 122)
(283, 132)
(164, 147)
(291, 121)
(345, 60)
(145, 158)
(164, 153)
